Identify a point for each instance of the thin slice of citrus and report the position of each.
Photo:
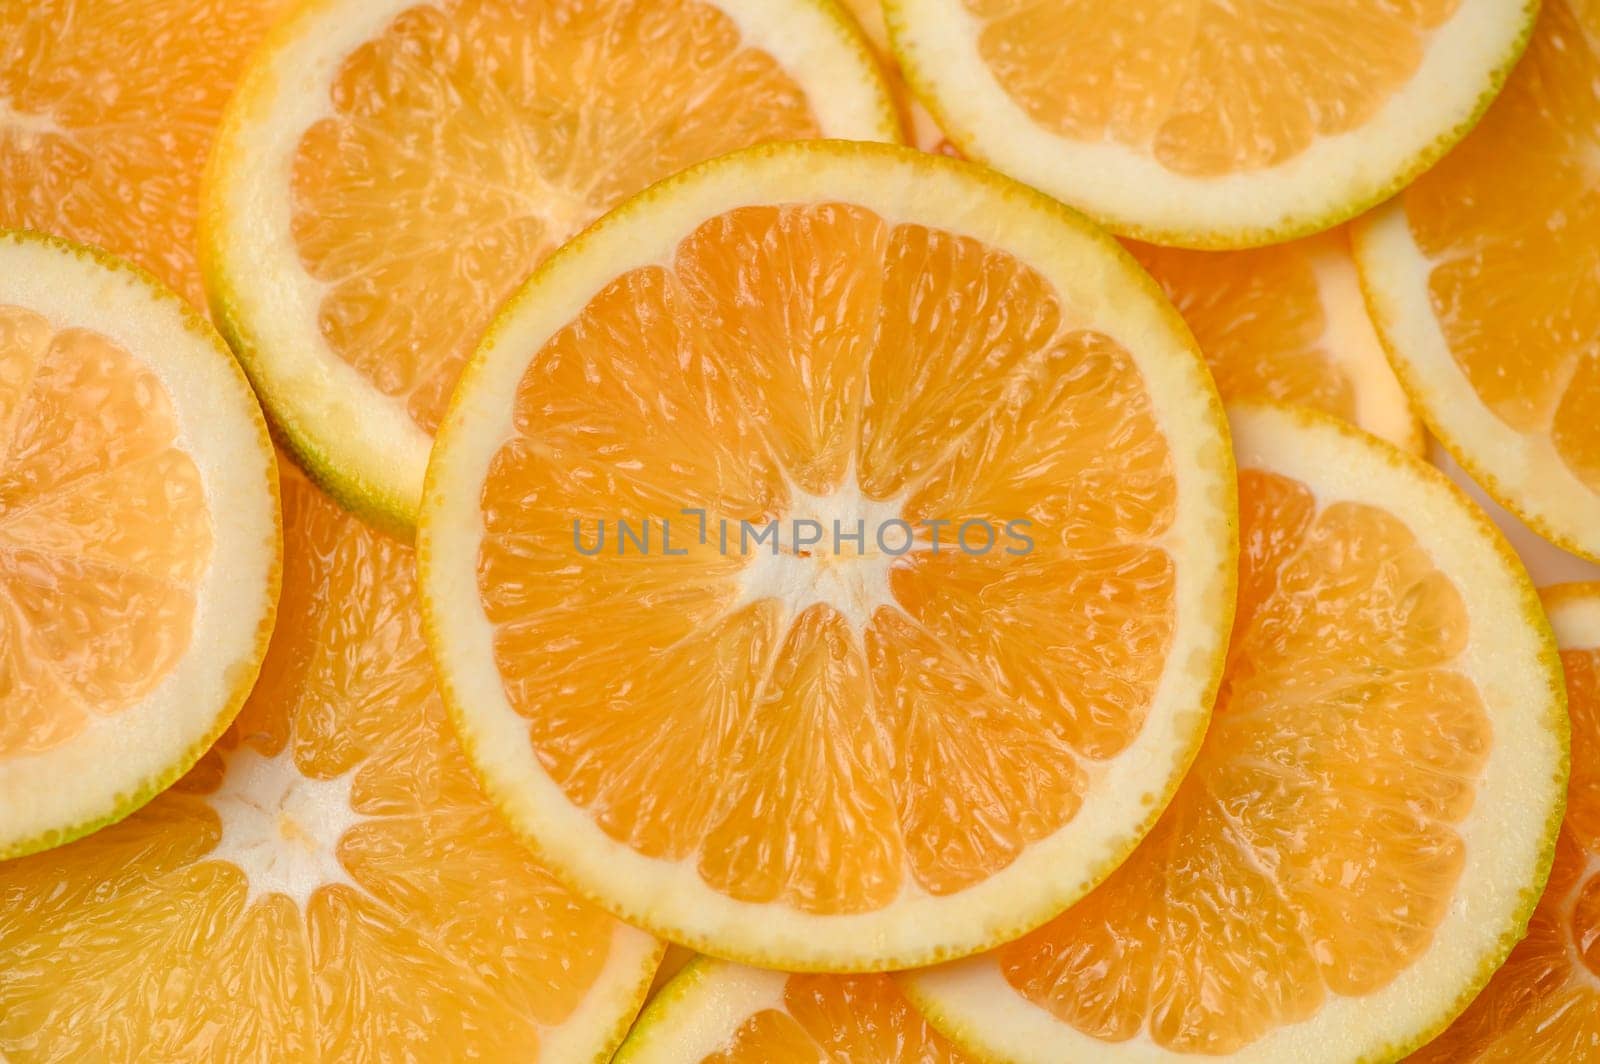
(139, 545)
(1288, 323)
(1543, 1005)
(107, 115)
(716, 1012)
(1484, 281)
(1371, 820)
(1210, 123)
(901, 747)
(390, 170)
(329, 883)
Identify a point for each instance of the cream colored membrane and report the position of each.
(1091, 277)
(1509, 654)
(1132, 193)
(1524, 472)
(701, 1011)
(262, 283)
(221, 428)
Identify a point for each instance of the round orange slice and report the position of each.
(1484, 280)
(715, 1012)
(1212, 123)
(1288, 323)
(829, 557)
(391, 170)
(1372, 817)
(139, 544)
(329, 883)
(1543, 1005)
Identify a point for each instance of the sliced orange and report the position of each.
(1543, 1005)
(721, 1013)
(107, 114)
(329, 883)
(1371, 819)
(897, 752)
(139, 543)
(1484, 280)
(1288, 323)
(1210, 123)
(391, 170)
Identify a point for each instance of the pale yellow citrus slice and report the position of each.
(1484, 281)
(1372, 817)
(1209, 123)
(1288, 323)
(1543, 1005)
(716, 1012)
(139, 539)
(390, 170)
(329, 883)
(848, 754)
(107, 113)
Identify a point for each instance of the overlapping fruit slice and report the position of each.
(329, 883)
(1288, 323)
(1370, 820)
(390, 171)
(920, 128)
(1484, 279)
(1543, 1005)
(139, 548)
(715, 1012)
(1210, 123)
(975, 642)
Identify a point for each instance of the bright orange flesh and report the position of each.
(1543, 1005)
(1511, 224)
(104, 532)
(927, 716)
(106, 117)
(1311, 850)
(1205, 87)
(482, 177)
(428, 933)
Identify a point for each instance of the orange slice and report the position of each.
(1210, 123)
(721, 1013)
(106, 118)
(139, 545)
(391, 170)
(329, 883)
(903, 747)
(1288, 323)
(1484, 280)
(1543, 1005)
(1371, 819)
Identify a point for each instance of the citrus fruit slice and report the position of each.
(1288, 323)
(494, 131)
(1484, 281)
(921, 130)
(715, 1012)
(328, 883)
(1212, 124)
(1369, 824)
(139, 545)
(940, 557)
(1543, 1005)
(106, 119)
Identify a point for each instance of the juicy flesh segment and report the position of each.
(107, 113)
(1543, 1005)
(1205, 87)
(859, 1019)
(1311, 850)
(925, 716)
(105, 533)
(1510, 224)
(472, 138)
(355, 898)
